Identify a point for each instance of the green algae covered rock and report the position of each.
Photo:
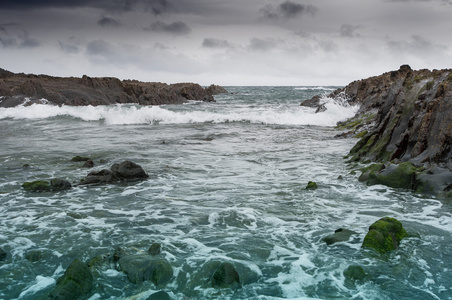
(160, 295)
(144, 267)
(76, 282)
(311, 185)
(53, 185)
(37, 186)
(384, 235)
(396, 176)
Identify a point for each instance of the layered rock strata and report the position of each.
(409, 119)
(17, 89)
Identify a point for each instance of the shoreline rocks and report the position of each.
(384, 235)
(404, 116)
(27, 89)
(124, 171)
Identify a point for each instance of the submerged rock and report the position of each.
(3, 254)
(155, 249)
(225, 276)
(354, 273)
(340, 235)
(79, 158)
(77, 282)
(34, 256)
(384, 235)
(54, 185)
(144, 267)
(160, 295)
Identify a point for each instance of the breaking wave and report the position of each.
(336, 110)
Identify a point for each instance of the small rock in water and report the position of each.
(79, 158)
(354, 273)
(88, 164)
(3, 254)
(155, 249)
(340, 235)
(143, 267)
(76, 282)
(311, 185)
(34, 256)
(225, 276)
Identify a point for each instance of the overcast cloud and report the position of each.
(253, 42)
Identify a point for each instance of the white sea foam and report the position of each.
(40, 284)
(130, 114)
(315, 88)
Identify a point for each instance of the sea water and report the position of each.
(227, 183)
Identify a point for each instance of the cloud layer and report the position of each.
(255, 42)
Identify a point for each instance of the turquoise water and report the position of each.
(226, 184)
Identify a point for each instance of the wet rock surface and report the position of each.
(404, 116)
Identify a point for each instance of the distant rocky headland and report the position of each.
(18, 88)
(405, 128)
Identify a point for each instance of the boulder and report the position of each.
(160, 295)
(396, 176)
(76, 282)
(128, 170)
(384, 235)
(144, 267)
(155, 249)
(340, 235)
(54, 185)
(311, 185)
(97, 177)
(225, 276)
(354, 273)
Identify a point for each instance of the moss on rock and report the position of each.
(37, 186)
(400, 176)
(76, 282)
(311, 185)
(384, 235)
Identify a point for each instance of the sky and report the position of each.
(233, 42)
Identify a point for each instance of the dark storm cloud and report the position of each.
(108, 22)
(155, 6)
(23, 40)
(176, 28)
(216, 43)
(287, 10)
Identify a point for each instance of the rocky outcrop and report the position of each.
(216, 90)
(17, 89)
(410, 117)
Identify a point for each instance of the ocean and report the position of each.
(227, 183)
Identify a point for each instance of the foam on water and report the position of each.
(337, 110)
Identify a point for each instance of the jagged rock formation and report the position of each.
(410, 113)
(17, 88)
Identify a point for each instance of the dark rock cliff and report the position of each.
(17, 88)
(410, 117)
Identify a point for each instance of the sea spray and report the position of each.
(123, 114)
